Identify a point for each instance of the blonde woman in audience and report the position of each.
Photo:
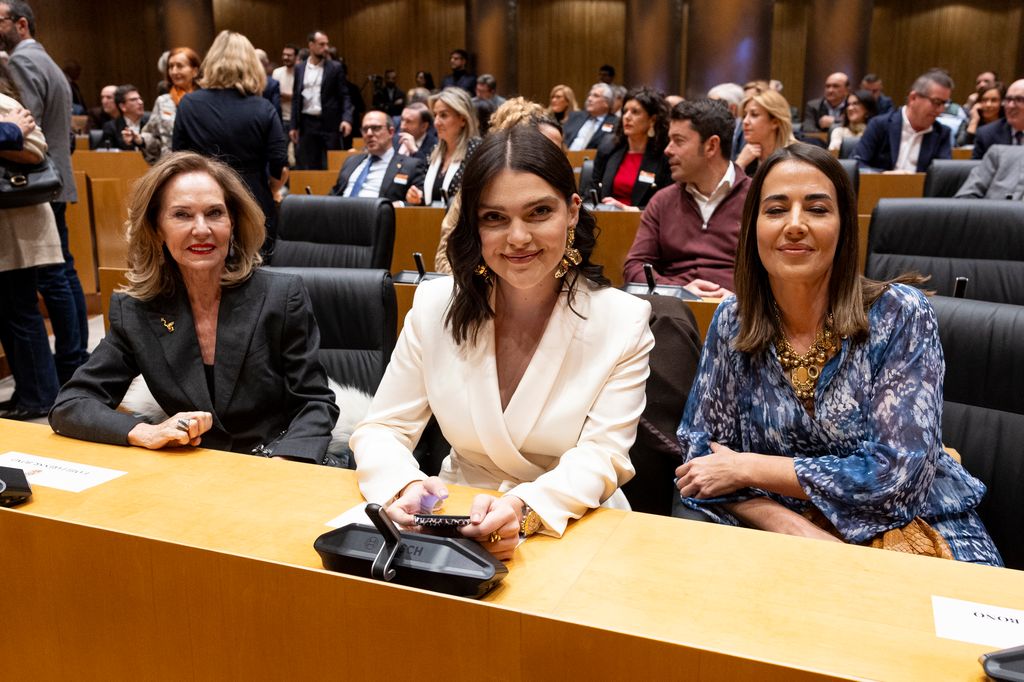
(534, 366)
(514, 112)
(228, 350)
(860, 108)
(767, 126)
(562, 102)
(455, 121)
(182, 74)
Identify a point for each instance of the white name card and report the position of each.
(58, 473)
(969, 621)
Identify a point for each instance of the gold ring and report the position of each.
(495, 537)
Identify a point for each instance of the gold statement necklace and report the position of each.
(804, 370)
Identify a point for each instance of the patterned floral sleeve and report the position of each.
(881, 479)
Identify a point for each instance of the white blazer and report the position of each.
(561, 445)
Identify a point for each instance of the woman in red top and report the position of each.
(631, 166)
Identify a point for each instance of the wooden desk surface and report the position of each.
(875, 186)
(621, 595)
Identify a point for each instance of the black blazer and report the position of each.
(815, 109)
(996, 132)
(412, 168)
(609, 158)
(267, 374)
(429, 142)
(335, 105)
(112, 134)
(879, 146)
(272, 93)
(575, 122)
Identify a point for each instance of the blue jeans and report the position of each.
(65, 303)
(23, 336)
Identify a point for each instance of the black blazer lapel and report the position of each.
(351, 163)
(172, 323)
(651, 164)
(240, 309)
(895, 134)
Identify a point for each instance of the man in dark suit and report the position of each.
(380, 172)
(460, 77)
(416, 135)
(873, 84)
(908, 139)
(106, 111)
(125, 131)
(321, 109)
(1000, 175)
(1009, 130)
(821, 113)
(586, 129)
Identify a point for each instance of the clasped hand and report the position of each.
(171, 432)
(720, 473)
(487, 515)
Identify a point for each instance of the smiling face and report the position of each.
(181, 71)
(923, 109)
(797, 225)
(376, 132)
(288, 57)
(448, 123)
(558, 102)
(1014, 105)
(854, 110)
(758, 126)
(133, 107)
(194, 223)
(988, 105)
(523, 224)
(635, 119)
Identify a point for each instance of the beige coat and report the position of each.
(28, 235)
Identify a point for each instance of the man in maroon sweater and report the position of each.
(689, 230)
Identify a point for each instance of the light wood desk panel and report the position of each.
(417, 228)
(126, 165)
(875, 186)
(109, 200)
(618, 229)
(81, 240)
(319, 182)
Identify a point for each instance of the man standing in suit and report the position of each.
(586, 129)
(45, 92)
(321, 108)
(380, 172)
(908, 139)
(125, 131)
(459, 77)
(1009, 130)
(1000, 175)
(821, 113)
(416, 134)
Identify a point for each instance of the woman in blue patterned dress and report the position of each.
(820, 390)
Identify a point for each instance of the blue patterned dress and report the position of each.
(871, 458)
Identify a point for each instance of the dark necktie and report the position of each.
(1018, 138)
(362, 176)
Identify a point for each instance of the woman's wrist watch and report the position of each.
(530, 523)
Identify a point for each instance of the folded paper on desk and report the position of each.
(58, 473)
(969, 621)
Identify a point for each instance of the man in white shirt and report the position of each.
(321, 108)
(380, 171)
(285, 75)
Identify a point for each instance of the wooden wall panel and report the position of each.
(789, 48)
(964, 38)
(565, 41)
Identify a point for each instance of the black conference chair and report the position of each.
(586, 177)
(983, 409)
(946, 176)
(335, 232)
(948, 238)
(852, 170)
(95, 138)
(848, 145)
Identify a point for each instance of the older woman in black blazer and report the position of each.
(229, 351)
(631, 166)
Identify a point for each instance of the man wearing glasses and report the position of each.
(380, 171)
(1009, 130)
(125, 131)
(908, 139)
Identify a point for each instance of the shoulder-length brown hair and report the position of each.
(193, 60)
(525, 149)
(231, 62)
(151, 270)
(850, 294)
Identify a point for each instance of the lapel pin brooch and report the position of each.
(168, 325)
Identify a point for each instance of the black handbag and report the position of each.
(28, 184)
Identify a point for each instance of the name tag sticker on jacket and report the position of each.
(646, 177)
(58, 473)
(969, 621)
(401, 179)
(608, 127)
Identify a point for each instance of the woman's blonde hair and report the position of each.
(231, 62)
(517, 111)
(776, 106)
(569, 95)
(151, 270)
(458, 101)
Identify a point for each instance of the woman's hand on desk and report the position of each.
(720, 473)
(419, 497)
(414, 197)
(494, 523)
(767, 514)
(172, 432)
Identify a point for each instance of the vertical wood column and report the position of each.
(837, 40)
(727, 41)
(186, 23)
(654, 44)
(491, 40)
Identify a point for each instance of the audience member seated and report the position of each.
(425, 80)
(619, 96)
(817, 407)
(732, 95)
(457, 139)
(389, 98)
(860, 108)
(688, 231)
(987, 109)
(125, 131)
(907, 139)
(562, 102)
(534, 367)
(379, 171)
(606, 74)
(416, 135)
(631, 165)
(587, 129)
(1008, 130)
(767, 126)
(107, 110)
(230, 120)
(418, 95)
(484, 109)
(487, 89)
(460, 77)
(229, 351)
(822, 113)
(1000, 175)
(985, 79)
(873, 83)
(182, 72)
